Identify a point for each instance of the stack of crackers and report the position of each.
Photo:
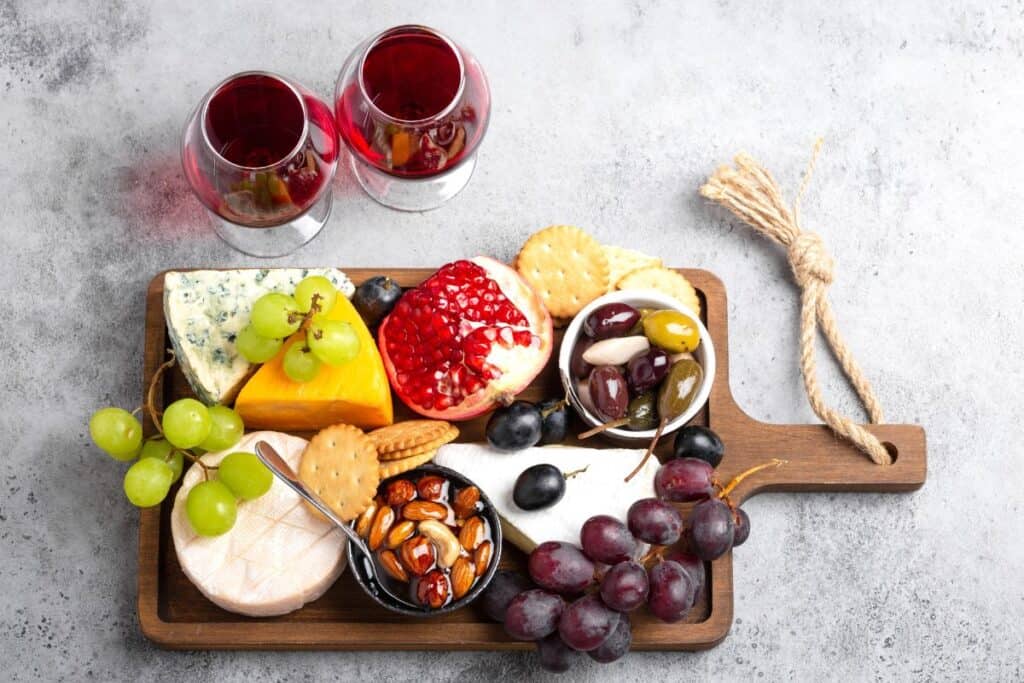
(344, 466)
(568, 269)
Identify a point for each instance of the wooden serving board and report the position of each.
(174, 614)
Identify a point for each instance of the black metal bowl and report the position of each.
(364, 577)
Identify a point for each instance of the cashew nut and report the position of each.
(448, 547)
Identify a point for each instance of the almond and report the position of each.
(472, 533)
(482, 557)
(417, 555)
(419, 510)
(463, 577)
(393, 567)
(465, 501)
(382, 522)
(366, 520)
(399, 533)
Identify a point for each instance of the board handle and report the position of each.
(818, 460)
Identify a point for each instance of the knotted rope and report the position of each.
(750, 192)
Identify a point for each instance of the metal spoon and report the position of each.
(276, 464)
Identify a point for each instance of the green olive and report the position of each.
(638, 327)
(679, 388)
(642, 413)
(671, 330)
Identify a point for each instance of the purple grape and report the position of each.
(533, 614)
(654, 521)
(606, 539)
(711, 528)
(608, 392)
(610, 320)
(580, 368)
(671, 591)
(625, 586)
(694, 566)
(505, 585)
(646, 371)
(587, 623)
(684, 480)
(694, 441)
(555, 656)
(742, 528)
(561, 567)
(616, 645)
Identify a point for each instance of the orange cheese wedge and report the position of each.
(355, 393)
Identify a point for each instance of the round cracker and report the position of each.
(566, 267)
(622, 262)
(663, 280)
(394, 467)
(411, 434)
(340, 466)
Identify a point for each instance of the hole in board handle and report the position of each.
(893, 451)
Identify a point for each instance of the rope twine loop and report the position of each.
(752, 195)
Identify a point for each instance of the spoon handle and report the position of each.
(276, 464)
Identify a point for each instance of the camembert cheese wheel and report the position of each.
(276, 558)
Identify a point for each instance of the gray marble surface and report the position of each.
(607, 115)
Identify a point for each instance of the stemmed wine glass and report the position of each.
(412, 106)
(260, 151)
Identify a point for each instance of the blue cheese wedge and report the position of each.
(206, 309)
(598, 490)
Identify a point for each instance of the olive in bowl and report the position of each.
(434, 536)
(633, 357)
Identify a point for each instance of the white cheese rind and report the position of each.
(206, 309)
(600, 490)
(278, 556)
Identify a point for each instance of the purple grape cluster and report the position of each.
(578, 598)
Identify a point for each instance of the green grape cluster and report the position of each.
(188, 427)
(276, 316)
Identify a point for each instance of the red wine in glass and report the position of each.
(260, 152)
(412, 106)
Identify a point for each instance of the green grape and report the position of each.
(334, 342)
(315, 284)
(211, 508)
(275, 316)
(226, 429)
(300, 365)
(161, 449)
(186, 423)
(245, 475)
(146, 482)
(117, 432)
(254, 348)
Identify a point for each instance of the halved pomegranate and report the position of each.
(471, 335)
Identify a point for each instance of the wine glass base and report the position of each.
(279, 240)
(407, 194)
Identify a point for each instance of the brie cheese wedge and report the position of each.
(277, 557)
(599, 489)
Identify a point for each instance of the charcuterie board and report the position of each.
(174, 614)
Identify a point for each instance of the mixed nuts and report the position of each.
(429, 535)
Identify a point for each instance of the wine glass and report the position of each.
(412, 106)
(260, 151)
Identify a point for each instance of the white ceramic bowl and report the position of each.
(705, 355)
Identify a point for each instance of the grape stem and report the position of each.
(570, 475)
(154, 416)
(650, 449)
(727, 489)
(655, 554)
(555, 408)
(195, 459)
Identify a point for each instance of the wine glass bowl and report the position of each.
(260, 151)
(412, 107)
